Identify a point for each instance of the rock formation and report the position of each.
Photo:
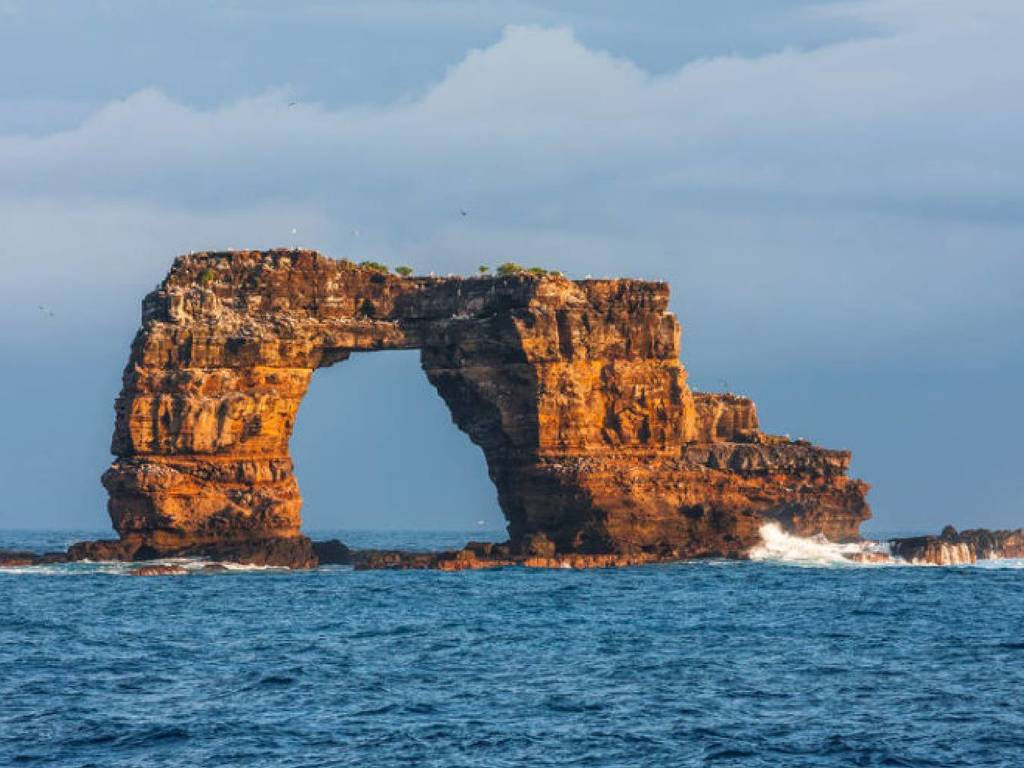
(572, 389)
(960, 548)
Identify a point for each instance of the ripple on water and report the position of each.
(713, 663)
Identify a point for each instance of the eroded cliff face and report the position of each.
(572, 389)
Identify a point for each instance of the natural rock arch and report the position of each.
(572, 389)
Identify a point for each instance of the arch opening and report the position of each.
(375, 448)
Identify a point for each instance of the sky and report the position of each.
(833, 189)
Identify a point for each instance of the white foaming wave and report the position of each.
(244, 566)
(778, 546)
(77, 568)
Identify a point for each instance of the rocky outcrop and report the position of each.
(289, 551)
(572, 389)
(11, 558)
(992, 545)
(933, 550)
(958, 548)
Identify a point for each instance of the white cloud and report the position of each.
(900, 153)
(928, 112)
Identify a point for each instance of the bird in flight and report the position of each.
(463, 211)
(291, 103)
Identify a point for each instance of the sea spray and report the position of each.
(779, 546)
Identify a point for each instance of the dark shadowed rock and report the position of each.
(332, 552)
(279, 551)
(993, 545)
(12, 558)
(955, 548)
(105, 549)
(294, 552)
(933, 550)
(537, 545)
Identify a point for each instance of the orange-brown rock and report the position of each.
(479, 557)
(572, 389)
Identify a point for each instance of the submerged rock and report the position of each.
(159, 570)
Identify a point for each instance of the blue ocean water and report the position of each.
(706, 663)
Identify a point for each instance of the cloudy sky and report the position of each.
(834, 189)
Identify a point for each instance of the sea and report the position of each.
(796, 658)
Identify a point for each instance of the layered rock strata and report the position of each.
(572, 389)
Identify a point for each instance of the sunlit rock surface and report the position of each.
(573, 390)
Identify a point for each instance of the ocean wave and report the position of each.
(779, 546)
(393, 668)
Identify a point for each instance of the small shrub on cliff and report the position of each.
(483, 269)
(509, 268)
(404, 271)
(206, 276)
(376, 266)
(539, 271)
